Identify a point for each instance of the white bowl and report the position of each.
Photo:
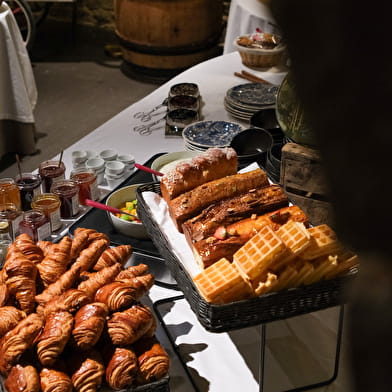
(79, 156)
(117, 199)
(128, 160)
(96, 164)
(166, 162)
(114, 168)
(108, 155)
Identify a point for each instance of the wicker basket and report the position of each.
(261, 58)
(245, 313)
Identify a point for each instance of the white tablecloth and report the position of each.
(18, 92)
(299, 350)
(244, 17)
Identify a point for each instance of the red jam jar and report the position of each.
(29, 185)
(9, 192)
(50, 172)
(49, 204)
(87, 183)
(13, 215)
(68, 193)
(35, 224)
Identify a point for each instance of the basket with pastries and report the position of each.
(257, 256)
(72, 318)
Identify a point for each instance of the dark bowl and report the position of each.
(264, 118)
(252, 144)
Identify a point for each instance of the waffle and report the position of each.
(296, 238)
(323, 242)
(222, 283)
(258, 254)
(304, 270)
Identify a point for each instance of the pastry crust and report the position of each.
(213, 164)
(9, 318)
(53, 380)
(119, 254)
(191, 203)
(22, 379)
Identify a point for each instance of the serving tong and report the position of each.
(147, 116)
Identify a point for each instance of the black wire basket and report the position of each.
(245, 313)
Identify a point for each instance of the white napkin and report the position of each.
(177, 241)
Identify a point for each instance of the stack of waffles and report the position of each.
(276, 260)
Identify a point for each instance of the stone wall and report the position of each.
(98, 13)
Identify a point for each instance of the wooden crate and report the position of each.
(302, 177)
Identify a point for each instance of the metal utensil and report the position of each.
(147, 116)
(148, 129)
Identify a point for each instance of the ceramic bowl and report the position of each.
(114, 168)
(166, 162)
(117, 199)
(108, 155)
(252, 144)
(97, 164)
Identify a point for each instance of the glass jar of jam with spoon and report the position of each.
(9, 192)
(86, 179)
(50, 172)
(68, 193)
(29, 185)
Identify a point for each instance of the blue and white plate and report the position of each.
(208, 134)
(253, 94)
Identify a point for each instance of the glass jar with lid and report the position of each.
(35, 224)
(9, 212)
(87, 183)
(68, 193)
(9, 192)
(49, 204)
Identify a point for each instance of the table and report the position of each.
(299, 350)
(244, 17)
(18, 93)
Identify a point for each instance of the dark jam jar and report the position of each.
(86, 179)
(29, 186)
(35, 224)
(184, 89)
(10, 212)
(183, 102)
(68, 192)
(50, 172)
(178, 119)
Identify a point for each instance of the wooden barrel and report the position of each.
(167, 36)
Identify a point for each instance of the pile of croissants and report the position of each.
(71, 317)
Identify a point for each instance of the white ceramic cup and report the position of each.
(108, 155)
(114, 168)
(97, 164)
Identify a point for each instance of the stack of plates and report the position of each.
(202, 135)
(244, 100)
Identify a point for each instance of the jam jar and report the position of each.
(178, 119)
(184, 89)
(68, 193)
(9, 192)
(86, 179)
(49, 204)
(183, 102)
(35, 224)
(50, 172)
(10, 212)
(29, 185)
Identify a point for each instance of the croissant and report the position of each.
(93, 235)
(51, 342)
(133, 271)
(9, 318)
(119, 254)
(90, 321)
(27, 246)
(121, 369)
(63, 283)
(99, 279)
(153, 360)
(4, 294)
(79, 242)
(45, 246)
(70, 301)
(22, 379)
(55, 263)
(15, 342)
(87, 371)
(21, 275)
(130, 325)
(121, 294)
(53, 380)
(90, 255)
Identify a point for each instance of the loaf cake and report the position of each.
(213, 164)
(191, 203)
(230, 238)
